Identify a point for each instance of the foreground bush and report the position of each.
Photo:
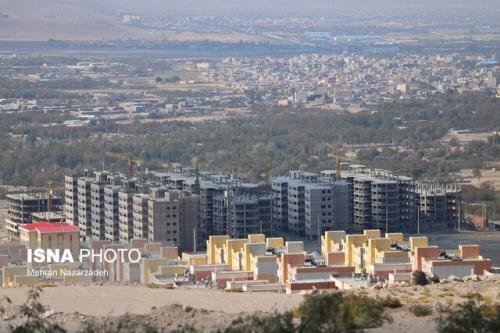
(332, 313)
(419, 278)
(124, 324)
(274, 323)
(474, 316)
(420, 310)
(30, 316)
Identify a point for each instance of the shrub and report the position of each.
(274, 323)
(471, 317)
(434, 278)
(419, 278)
(126, 323)
(30, 317)
(421, 310)
(392, 302)
(339, 312)
(323, 313)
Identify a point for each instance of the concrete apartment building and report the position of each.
(164, 216)
(129, 188)
(219, 214)
(385, 205)
(248, 214)
(84, 203)
(242, 208)
(327, 207)
(189, 222)
(382, 199)
(140, 215)
(208, 191)
(292, 203)
(71, 199)
(21, 206)
(173, 217)
(104, 204)
(439, 206)
(279, 192)
(296, 207)
(111, 213)
(362, 202)
(97, 204)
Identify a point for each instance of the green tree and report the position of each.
(474, 316)
(30, 318)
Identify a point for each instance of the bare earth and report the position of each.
(116, 300)
(487, 176)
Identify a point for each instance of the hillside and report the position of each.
(39, 20)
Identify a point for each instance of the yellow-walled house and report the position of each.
(215, 245)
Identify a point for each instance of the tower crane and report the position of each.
(132, 162)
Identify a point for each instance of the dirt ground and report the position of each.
(106, 300)
(487, 176)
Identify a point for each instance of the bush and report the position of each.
(274, 323)
(471, 317)
(126, 323)
(339, 312)
(420, 310)
(30, 317)
(392, 302)
(434, 278)
(419, 278)
(323, 313)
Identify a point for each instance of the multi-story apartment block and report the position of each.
(279, 188)
(189, 220)
(85, 206)
(112, 208)
(208, 191)
(327, 207)
(164, 216)
(381, 199)
(173, 217)
(21, 206)
(242, 208)
(104, 204)
(385, 205)
(126, 194)
(140, 215)
(219, 213)
(439, 206)
(362, 203)
(296, 200)
(71, 199)
(111, 213)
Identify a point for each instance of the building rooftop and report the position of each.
(50, 227)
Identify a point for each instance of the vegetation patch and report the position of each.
(421, 310)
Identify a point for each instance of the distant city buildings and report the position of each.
(131, 19)
(346, 81)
